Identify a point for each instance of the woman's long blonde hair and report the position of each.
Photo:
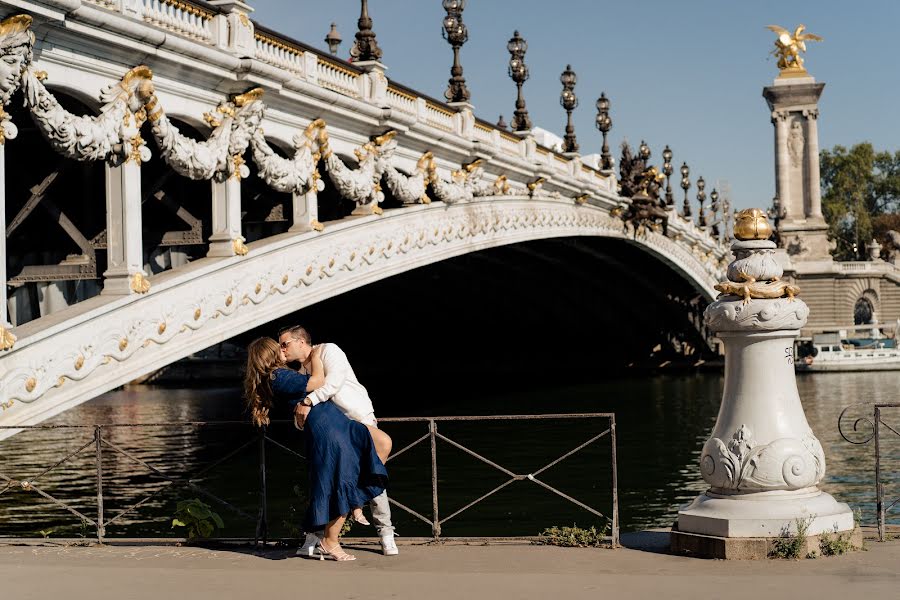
(263, 357)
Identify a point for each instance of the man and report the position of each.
(342, 388)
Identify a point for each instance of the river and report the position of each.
(662, 422)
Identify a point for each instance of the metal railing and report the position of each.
(101, 444)
(864, 431)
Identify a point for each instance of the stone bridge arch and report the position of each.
(97, 345)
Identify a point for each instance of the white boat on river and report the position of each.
(827, 352)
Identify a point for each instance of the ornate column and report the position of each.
(793, 99)
(782, 187)
(762, 462)
(124, 232)
(812, 164)
(226, 238)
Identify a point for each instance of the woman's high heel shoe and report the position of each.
(334, 554)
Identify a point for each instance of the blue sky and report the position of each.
(688, 73)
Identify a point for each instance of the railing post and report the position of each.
(6, 338)
(124, 247)
(305, 210)
(99, 449)
(436, 525)
(226, 238)
(879, 486)
(615, 483)
(262, 525)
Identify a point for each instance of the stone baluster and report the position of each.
(124, 234)
(763, 462)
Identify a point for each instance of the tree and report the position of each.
(858, 185)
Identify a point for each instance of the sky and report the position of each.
(686, 73)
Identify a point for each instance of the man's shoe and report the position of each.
(388, 547)
(308, 549)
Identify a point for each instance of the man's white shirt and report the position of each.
(341, 386)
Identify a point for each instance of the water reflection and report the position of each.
(662, 423)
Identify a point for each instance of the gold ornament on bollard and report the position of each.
(752, 224)
(788, 47)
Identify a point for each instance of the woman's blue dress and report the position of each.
(344, 469)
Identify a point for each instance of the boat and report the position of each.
(829, 352)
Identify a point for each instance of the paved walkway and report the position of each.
(455, 572)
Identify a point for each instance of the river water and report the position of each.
(662, 422)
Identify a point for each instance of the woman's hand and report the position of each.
(300, 413)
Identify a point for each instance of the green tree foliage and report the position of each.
(859, 186)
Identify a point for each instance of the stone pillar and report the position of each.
(812, 164)
(226, 238)
(801, 229)
(762, 462)
(306, 211)
(782, 187)
(7, 339)
(124, 234)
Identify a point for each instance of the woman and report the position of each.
(345, 468)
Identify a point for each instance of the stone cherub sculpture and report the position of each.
(788, 47)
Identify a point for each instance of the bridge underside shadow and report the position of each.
(570, 309)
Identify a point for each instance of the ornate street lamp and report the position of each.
(686, 185)
(644, 151)
(701, 198)
(365, 48)
(604, 124)
(714, 209)
(456, 33)
(333, 39)
(518, 72)
(667, 171)
(569, 101)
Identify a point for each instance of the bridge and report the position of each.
(204, 175)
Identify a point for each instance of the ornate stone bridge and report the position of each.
(205, 176)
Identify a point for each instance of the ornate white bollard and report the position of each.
(763, 463)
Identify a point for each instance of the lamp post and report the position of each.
(456, 33)
(714, 208)
(604, 124)
(569, 101)
(644, 152)
(667, 171)
(686, 185)
(333, 39)
(518, 72)
(365, 48)
(701, 198)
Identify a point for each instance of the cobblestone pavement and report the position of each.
(460, 572)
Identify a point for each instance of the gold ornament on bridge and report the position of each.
(788, 47)
(239, 247)
(140, 284)
(7, 340)
(752, 224)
